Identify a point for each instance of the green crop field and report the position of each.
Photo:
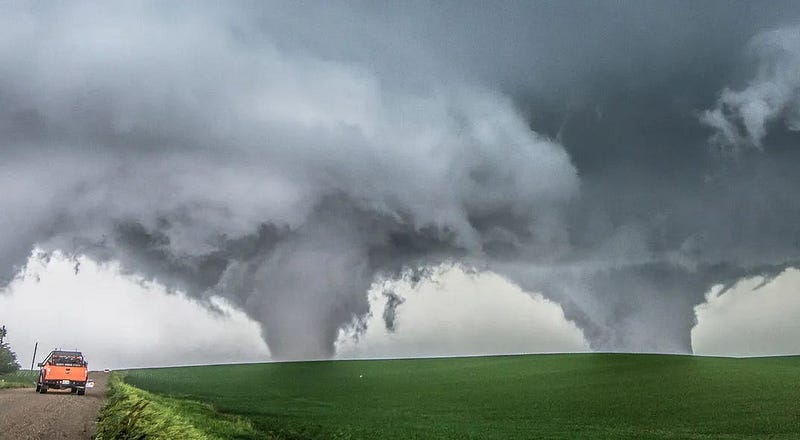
(535, 396)
(18, 379)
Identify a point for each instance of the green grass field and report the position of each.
(590, 396)
(19, 379)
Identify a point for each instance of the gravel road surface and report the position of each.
(25, 414)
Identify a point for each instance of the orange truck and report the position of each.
(63, 370)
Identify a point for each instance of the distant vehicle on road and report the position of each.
(63, 370)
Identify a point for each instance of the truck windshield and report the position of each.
(67, 360)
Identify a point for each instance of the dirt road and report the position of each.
(25, 414)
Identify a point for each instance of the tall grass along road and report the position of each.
(25, 414)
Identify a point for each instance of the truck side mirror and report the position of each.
(40, 365)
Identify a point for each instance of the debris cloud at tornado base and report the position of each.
(287, 160)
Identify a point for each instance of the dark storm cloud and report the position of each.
(286, 155)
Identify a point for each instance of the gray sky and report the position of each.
(756, 317)
(620, 159)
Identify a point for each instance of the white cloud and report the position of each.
(118, 320)
(458, 313)
(749, 320)
(740, 117)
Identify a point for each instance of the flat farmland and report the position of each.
(592, 396)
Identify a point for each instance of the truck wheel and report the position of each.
(42, 389)
(73, 390)
(81, 392)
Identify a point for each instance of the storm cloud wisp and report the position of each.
(741, 117)
(287, 159)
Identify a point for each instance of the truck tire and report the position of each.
(73, 390)
(42, 389)
(81, 392)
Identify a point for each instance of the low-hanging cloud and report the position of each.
(281, 181)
